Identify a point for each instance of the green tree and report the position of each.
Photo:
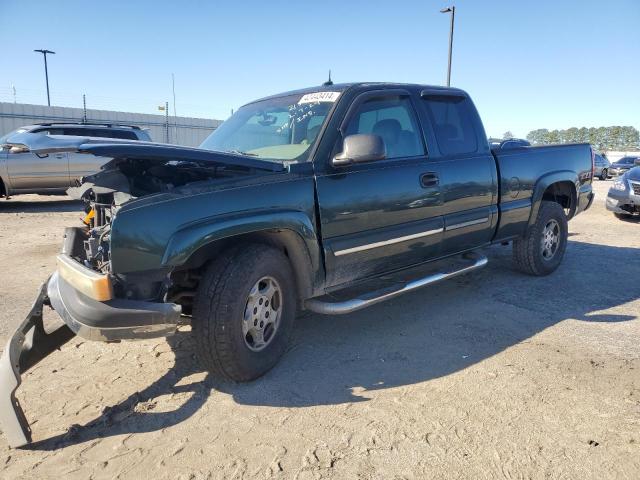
(602, 138)
(507, 135)
(538, 137)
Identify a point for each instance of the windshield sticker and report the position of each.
(317, 97)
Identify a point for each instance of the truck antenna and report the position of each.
(328, 82)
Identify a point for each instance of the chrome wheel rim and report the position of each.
(550, 239)
(262, 314)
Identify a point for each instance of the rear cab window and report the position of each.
(454, 122)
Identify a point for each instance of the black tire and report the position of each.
(219, 308)
(604, 174)
(528, 252)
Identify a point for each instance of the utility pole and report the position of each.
(452, 10)
(175, 116)
(84, 108)
(166, 120)
(46, 71)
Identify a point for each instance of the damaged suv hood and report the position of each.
(132, 149)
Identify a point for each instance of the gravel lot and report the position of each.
(492, 375)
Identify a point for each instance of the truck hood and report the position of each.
(132, 149)
(634, 174)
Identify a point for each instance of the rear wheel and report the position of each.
(604, 174)
(541, 251)
(244, 311)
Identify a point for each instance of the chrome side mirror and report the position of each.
(360, 148)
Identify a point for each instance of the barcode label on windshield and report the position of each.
(319, 97)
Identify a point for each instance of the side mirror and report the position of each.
(360, 148)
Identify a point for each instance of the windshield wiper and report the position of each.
(240, 152)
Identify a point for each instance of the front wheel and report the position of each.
(604, 174)
(541, 250)
(244, 311)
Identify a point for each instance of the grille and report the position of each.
(636, 188)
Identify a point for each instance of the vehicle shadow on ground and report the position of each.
(630, 219)
(413, 339)
(63, 204)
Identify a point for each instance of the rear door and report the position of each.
(459, 151)
(81, 165)
(383, 215)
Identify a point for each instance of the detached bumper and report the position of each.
(29, 344)
(110, 320)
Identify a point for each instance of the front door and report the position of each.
(383, 215)
(30, 172)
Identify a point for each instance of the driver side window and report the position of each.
(392, 119)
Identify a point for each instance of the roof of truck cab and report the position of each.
(341, 87)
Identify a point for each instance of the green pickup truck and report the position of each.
(327, 199)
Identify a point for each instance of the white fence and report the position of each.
(181, 130)
(615, 156)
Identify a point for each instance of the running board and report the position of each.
(371, 298)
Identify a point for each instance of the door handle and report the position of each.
(429, 179)
(59, 155)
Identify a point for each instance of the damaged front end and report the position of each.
(95, 302)
(29, 344)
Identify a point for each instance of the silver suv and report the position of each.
(22, 171)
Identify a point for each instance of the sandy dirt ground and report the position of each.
(492, 375)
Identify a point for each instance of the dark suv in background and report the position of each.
(623, 165)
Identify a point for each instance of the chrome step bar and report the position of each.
(347, 306)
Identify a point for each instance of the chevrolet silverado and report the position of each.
(328, 199)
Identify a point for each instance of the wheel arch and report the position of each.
(560, 187)
(294, 235)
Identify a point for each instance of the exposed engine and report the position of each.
(123, 180)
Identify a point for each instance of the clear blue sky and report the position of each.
(543, 64)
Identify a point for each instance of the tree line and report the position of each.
(604, 139)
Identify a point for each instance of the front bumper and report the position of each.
(111, 320)
(616, 172)
(623, 202)
(29, 344)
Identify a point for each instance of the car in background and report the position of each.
(623, 198)
(510, 143)
(623, 165)
(601, 167)
(22, 171)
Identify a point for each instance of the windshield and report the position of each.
(281, 129)
(625, 161)
(3, 139)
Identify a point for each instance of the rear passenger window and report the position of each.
(391, 118)
(128, 135)
(101, 133)
(452, 118)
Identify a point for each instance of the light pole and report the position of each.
(452, 10)
(46, 72)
